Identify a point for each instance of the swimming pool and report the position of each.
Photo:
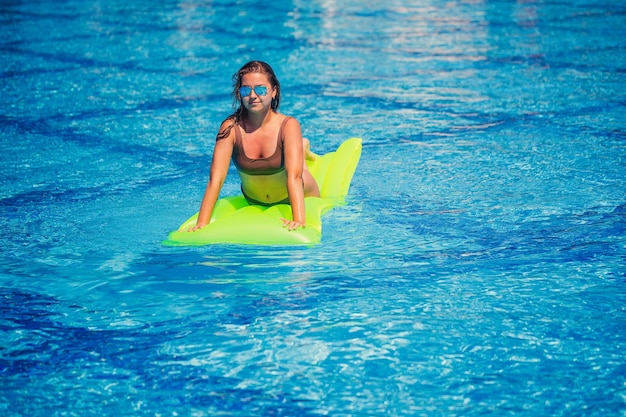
(477, 269)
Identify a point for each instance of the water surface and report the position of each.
(477, 268)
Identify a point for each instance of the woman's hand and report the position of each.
(292, 224)
(195, 227)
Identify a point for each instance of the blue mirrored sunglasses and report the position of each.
(259, 90)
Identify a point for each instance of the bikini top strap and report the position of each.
(280, 131)
(237, 133)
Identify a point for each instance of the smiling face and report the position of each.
(255, 102)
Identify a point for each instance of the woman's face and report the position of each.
(254, 82)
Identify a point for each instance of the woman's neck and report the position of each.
(253, 121)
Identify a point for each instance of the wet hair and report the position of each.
(251, 67)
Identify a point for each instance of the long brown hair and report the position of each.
(250, 67)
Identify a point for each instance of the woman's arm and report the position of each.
(294, 162)
(219, 169)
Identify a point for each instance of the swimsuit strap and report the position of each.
(280, 131)
(237, 133)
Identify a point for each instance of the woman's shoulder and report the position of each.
(227, 128)
(290, 128)
(229, 121)
(286, 120)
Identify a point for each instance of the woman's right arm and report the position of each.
(219, 169)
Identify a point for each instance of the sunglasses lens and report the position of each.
(260, 90)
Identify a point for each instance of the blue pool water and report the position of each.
(479, 267)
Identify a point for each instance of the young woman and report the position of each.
(266, 147)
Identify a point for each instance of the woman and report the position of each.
(266, 147)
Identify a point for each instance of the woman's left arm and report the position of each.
(294, 164)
